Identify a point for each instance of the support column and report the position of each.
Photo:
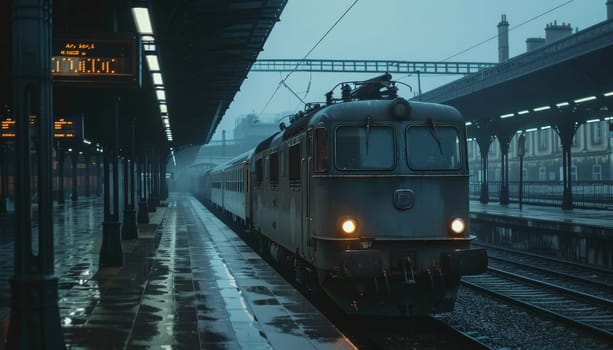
(5, 170)
(61, 159)
(566, 129)
(132, 179)
(34, 321)
(163, 182)
(74, 157)
(99, 166)
(111, 252)
(504, 139)
(87, 158)
(143, 211)
(484, 142)
(130, 229)
(152, 203)
(3, 179)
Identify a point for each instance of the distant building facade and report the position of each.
(248, 132)
(591, 156)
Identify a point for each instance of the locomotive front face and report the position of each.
(391, 208)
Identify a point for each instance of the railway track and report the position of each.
(593, 275)
(575, 294)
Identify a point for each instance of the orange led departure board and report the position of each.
(8, 127)
(65, 127)
(113, 60)
(68, 127)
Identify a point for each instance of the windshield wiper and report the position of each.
(434, 134)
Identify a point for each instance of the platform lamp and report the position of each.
(142, 18)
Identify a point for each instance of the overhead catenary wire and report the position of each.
(283, 81)
(510, 29)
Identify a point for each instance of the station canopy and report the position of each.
(206, 49)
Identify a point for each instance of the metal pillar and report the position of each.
(87, 158)
(111, 252)
(61, 157)
(5, 170)
(157, 180)
(99, 165)
(484, 142)
(129, 229)
(35, 320)
(3, 179)
(163, 182)
(504, 139)
(132, 179)
(143, 211)
(566, 129)
(74, 157)
(153, 194)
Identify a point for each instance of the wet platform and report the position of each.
(188, 282)
(575, 220)
(578, 235)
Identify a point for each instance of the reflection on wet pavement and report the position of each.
(188, 283)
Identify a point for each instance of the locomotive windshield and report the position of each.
(433, 147)
(364, 148)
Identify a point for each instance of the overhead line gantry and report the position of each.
(368, 66)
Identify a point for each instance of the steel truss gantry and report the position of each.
(368, 66)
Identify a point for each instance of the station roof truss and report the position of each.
(206, 49)
(532, 90)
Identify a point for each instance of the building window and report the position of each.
(471, 150)
(542, 173)
(526, 143)
(543, 139)
(573, 173)
(596, 130)
(596, 172)
(493, 151)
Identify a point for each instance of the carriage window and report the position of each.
(294, 167)
(322, 150)
(273, 170)
(364, 147)
(433, 147)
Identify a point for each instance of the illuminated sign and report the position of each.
(113, 60)
(68, 127)
(63, 127)
(8, 127)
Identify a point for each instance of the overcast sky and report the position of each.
(405, 30)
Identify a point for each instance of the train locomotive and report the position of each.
(364, 197)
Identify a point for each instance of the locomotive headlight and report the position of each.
(457, 225)
(348, 226)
